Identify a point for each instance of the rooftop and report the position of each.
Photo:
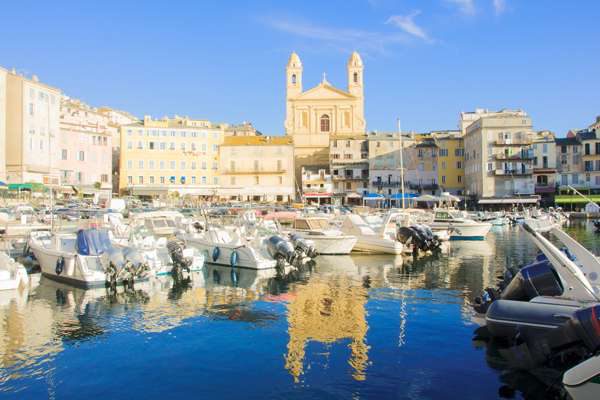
(257, 141)
(568, 141)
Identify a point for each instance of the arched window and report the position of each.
(325, 123)
(293, 79)
(356, 77)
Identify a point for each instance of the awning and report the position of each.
(427, 198)
(373, 196)
(353, 195)
(575, 199)
(510, 200)
(398, 196)
(34, 187)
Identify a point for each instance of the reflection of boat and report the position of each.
(467, 248)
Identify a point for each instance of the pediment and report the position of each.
(324, 92)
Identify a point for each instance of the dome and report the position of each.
(294, 61)
(355, 60)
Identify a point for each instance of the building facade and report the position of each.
(499, 157)
(257, 168)
(317, 185)
(32, 129)
(568, 160)
(349, 165)
(178, 156)
(590, 146)
(316, 116)
(450, 163)
(544, 166)
(384, 163)
(85, 146)
(3, 77)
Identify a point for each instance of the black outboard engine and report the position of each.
(280, 249)
(420, 236)
(597, 225)
(303, 247)
(533, 280)
(180, 263)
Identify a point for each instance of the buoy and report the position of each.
(216, 253)
(233, 260)
(60, 265)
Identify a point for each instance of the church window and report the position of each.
(293, 79)
(356, 77)
(304, 119)
(325, 123)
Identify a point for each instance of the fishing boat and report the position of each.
(459, 227)
(327, 240)
(85, 259)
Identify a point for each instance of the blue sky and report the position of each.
(425, 61)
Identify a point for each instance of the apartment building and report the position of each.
(175, 155)
(317, 184)
(349, 166)
(544, 166)
(384, 163)
(257, 168)
(31, 129)
(499, 158)
(569, 162)
(450, 163)
(85, 147)
(421, 164)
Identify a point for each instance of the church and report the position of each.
(320, 116)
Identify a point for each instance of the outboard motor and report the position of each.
(180, 263)
(420, 236)
(280, 249)
(533, 280)
(303, 247)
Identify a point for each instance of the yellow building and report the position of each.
(170, 155)
(317, 115)
(257, 168)
(450, 161)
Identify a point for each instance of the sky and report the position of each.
(425, 60)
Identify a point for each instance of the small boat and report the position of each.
(12, 273)
(86, 259)
(373, 238)
(460, 228)
(327, 239)
(582, 382)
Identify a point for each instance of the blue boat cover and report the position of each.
(93, 242)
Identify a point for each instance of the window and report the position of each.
(587, 149)
(81, 156)
(182, 146)
(256, 165)
(182, 164)
(64, 154)
(355, 77)
(172, 164)
(151, 180)
(193, 180)
(151, 146)
(30, 108)
(203, 164)
(141, 180)
(162, 165)
(281, 180)
(172, 146)
(348, 143)
(215, 180)
(459, 164)
(443, 152)
(151, 164)
(129, 145)
(279, 165)
(141, 164)
(459, 178)
(545, 148)
(347, 156)
(256, 180)
(162, 180)
(459, 152)
(325, 123)
(129, 164)
(204, 180)
(215, 147)
(589, 166)
(348, 185)
(293, 79)
(130, 180)
(193, 164)
(140, 145)
(163, 145)
(443, 178)
(193, 146)
(597, 147)
(232, 180)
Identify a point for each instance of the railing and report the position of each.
(545, 188)
(523, 155)
(513, 172)
(513, 142)
(386, 183)
(427, 186)
(349, 178)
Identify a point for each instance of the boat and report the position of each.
(373, 237)
(582, 382)
(326, 239)
(86, 259)
(12, 273)
(459, 227)
(159, 223)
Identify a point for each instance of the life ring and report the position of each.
(234, 258)
(60, 265)
(216, 253)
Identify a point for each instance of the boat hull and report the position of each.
(464, 231)
(331, 245)
(247, 257)
(377, 245)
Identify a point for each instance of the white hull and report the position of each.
(465, 231)
(378, 245)
(330, 245)
(12, 274)
(247, 257)
(583, 380)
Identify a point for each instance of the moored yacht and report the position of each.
(459, 227)
(376, 237)
(327, 239)
(12, 273)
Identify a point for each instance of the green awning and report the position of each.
(575, 199)
(32, 187)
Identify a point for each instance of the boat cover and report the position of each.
(93, 242)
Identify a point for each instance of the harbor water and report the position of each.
(348, 327)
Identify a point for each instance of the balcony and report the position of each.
(386, 184)
(252, 171)
(522, 155)
(513, 142)
(545, 189)
(426, 186)
(349, 178)
(513, 172)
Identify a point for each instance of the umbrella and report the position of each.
(449, 197)
(427, 198)
(398, 196)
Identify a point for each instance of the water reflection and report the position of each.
(392, 323)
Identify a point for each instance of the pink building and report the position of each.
(85, 147)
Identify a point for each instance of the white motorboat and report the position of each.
(85, 259)
(582, 382)
(12, 273)
(160, 223)
(327, 239)
(459, 227)
(372, 238)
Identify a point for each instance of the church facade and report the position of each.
(318, 117)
